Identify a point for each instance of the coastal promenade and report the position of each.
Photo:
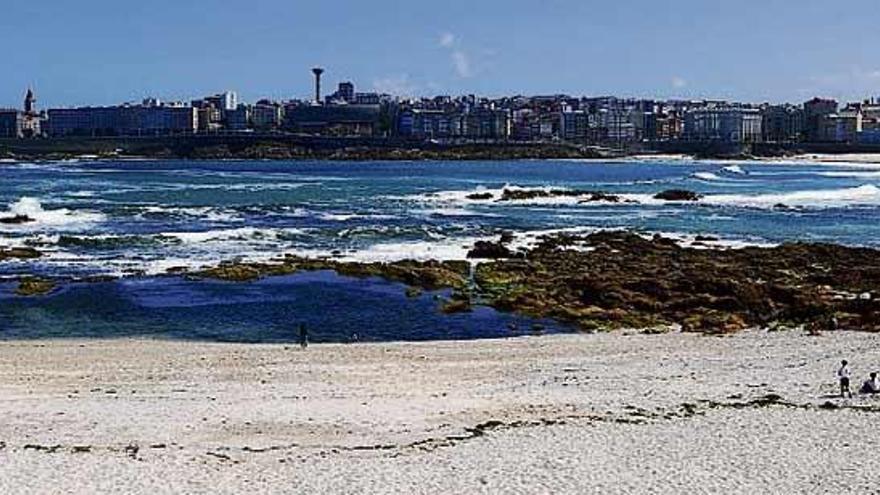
(619, 412)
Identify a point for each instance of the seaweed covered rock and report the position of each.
(454, 306)
(34, 286)
(626, 280)
(490, 250)
(245, 272)
(21, 253)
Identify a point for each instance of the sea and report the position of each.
(129, 222)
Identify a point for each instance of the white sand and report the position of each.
(865, 158)
(395, 418)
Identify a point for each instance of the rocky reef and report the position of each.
(428, 275)
(612, 280)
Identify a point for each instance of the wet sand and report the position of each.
(611, 413)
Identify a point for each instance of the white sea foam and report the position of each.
(249, 234)
(851, 174)
(467, 197)
(451, 248)
(734, 169)
(707, 176)
(345, 217)
(207, 213)
(456, 212)
(865, 195)
(52, 218)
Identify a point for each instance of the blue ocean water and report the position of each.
(137, 219)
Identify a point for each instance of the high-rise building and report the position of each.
(345, 92)
(724, 124)
(783, 123)
(227, 101)
(814, 111)
(11, 123)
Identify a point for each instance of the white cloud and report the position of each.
(447, 40)
(398, 85)
(855, 83)
(460, 59)
(462, 64)
(678, 82)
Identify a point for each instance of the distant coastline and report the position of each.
(295, 147)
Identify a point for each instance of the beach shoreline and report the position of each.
(620, 412)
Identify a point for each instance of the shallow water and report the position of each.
(143, 217)
(333, 309)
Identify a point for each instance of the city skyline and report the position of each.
(98, 53)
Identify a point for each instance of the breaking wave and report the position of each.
(42, 218)
(864, 195)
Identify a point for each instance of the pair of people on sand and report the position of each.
(871, 385)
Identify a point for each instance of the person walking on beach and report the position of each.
(303, 336)
(843, 375)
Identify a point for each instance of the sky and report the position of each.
(103, 52)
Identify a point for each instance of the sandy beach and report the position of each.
(610, 413)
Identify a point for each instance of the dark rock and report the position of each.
(34, 286)
(480, 196)
(678, 195)
(490, 250)
(599, 196)
(526, 194)
(22, 253)
(16, 220)
(456, 306)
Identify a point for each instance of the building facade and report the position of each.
(136, 120)
(11, 123)
(727, 125)
(333, 120)
(783, 124)
(815, 111)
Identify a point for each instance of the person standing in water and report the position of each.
(843, 375)
(303, 336)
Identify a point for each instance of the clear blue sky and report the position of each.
(108, 51)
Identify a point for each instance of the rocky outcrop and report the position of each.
(480, 196)
(16, 220)
(429, 275)
(34, 286)
(628, 281)
(527, 194)
(490, 250)
(22, 253)
(678, 195)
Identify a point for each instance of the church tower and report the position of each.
(30, 102)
